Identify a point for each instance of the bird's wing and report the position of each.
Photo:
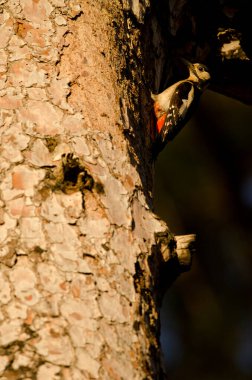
(176, 116)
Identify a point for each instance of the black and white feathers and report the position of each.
(174, 106)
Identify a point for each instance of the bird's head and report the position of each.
(198, 73)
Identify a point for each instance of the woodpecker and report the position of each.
(174, 106)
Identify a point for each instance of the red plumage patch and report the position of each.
(160, 122)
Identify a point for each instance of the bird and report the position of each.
(174, 106)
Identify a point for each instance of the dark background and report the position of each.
(203, 185)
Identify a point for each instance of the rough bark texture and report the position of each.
(80, 247)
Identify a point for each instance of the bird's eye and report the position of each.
(201, 68)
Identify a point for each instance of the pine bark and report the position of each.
(83, 257)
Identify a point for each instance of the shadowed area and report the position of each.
(204, 186)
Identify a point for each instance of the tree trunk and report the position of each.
(84, 260)
(83, 257)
